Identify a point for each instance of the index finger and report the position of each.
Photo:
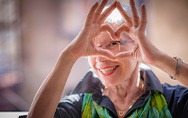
(107, 28)
(90, 16)
(143, 20)
(124, 14)
(134, 13)
(107, 12)
(99, 10)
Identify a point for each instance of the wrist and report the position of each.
(68, 55)
(159, 59)
(167, 64)
(179, 64)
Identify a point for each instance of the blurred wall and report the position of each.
(44, 36)
(168, 30)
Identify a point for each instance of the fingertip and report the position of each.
(132, 2)
(113, 36)
(96, 4)
(104, 1)
(117, 35)
(118, 4)
(115, 2)
(103, 28)
(143, 12)
(104, 24)
(143, 7)
(143, 4)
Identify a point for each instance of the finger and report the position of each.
(127, 54)
(122, 28)
(124, 55)
(134, 13)
(107, 12)
(143, 20)
(99, 10)
(124, 14)
(90, 15)
(105, 53)
(107, 28)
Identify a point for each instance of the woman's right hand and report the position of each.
(83, 44)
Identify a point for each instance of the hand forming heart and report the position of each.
(83, 44)
(135, 27)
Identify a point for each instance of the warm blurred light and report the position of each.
(10, 60)
(34, 32)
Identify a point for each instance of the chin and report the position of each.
(110, 81)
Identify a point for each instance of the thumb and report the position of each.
(124, 55)
(107, 28)
(105, 53)
(127, 54)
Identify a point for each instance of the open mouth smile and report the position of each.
(108, 71)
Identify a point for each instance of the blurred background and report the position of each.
(34, 32)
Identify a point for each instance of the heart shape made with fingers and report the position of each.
(118, 25)
(130, 23)
(118, 15)
(133, 27)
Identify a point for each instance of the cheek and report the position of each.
(127, 67)
(127, 47)
(91, 61)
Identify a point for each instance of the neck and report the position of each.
(127, 87)
(125, 94)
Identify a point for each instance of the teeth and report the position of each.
(106, 70)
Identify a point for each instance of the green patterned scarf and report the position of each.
(155, 107)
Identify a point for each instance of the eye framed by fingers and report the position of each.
(124, 43)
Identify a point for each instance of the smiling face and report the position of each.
(113, 72)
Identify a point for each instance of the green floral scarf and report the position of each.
(155, 107)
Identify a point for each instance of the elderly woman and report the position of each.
(117, 86)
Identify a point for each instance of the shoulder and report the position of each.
(177, 99)
(73, 98)
(70, 106)
(176, 91)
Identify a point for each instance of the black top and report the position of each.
(71, 105)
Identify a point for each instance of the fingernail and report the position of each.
(117, 35)
(96, 3)
(118, 2)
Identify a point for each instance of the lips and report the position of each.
(108, 71)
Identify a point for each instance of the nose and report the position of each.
(100, 59)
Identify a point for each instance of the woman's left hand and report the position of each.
(144, 51)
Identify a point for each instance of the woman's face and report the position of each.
(112, 72)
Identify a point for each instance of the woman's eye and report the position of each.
(115, 43)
